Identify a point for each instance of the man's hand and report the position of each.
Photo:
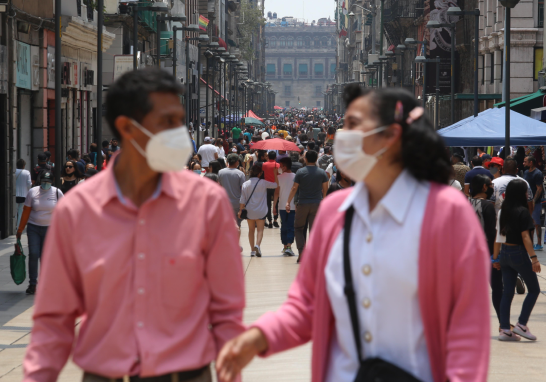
(287, 208)
(497, 266)
(536, 266)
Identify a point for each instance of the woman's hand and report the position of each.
(496, 266)
(18, 235)
(239, 214)
(238, 352)
(536, 266)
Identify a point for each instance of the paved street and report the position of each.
(267, 282)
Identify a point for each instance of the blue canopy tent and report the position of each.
(487, 129)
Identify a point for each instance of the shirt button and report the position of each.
(142, 221)
(140, 324)
(368, 337)
(369, 238)
(141, 256)
(366, 269)
(140, 290)
(366, 303)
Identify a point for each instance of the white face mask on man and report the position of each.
(349, 155)
(168, 150)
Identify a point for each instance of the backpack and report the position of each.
(38, 170)
(325, 160)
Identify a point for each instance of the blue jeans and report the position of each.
(36, 236)
(514, 260)
(287, 226)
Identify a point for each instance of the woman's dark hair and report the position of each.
(77, 172)
(212, 176)
(215, 166)
(331, 130)
(93, 147)
(255, 170)
(514, 197)
(21, 164)
(192, 165)
(423, 151)
(477, 183)
(86, 158)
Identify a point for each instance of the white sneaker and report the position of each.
(289, 252)
(524, 331)
(258, 251)
(252, 254)
(507, 335)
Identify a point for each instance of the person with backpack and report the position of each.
(40, 167)
(37, 212)
(326, 159)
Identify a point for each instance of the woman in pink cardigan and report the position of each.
(401, 294)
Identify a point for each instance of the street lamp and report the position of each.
(433, 24)
(436, 60)
(456, 11)
(157, 7)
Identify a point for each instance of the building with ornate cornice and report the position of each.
(300, 60)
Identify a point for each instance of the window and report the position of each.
(319, 70)
(308, 42)
(267, 42)
(303, 69)
(282, 42)
(288, 91)
(270, 69)
(318, 90)
(333, 69)
(318, 105)
(272, 43)
(299, 42)
(492, 71)
(483, 69)
(287, 69)
(287, 103)
(290, 42)
(540, 13)
(324, 41)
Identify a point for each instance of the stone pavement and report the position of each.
(267, 282)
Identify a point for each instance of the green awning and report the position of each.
(523, 105)
(231, 42)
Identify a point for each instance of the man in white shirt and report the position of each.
(510, 169)
(285, 182)
(208, 153)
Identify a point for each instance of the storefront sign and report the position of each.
(122, 64)
(51, 67)
(75, 75)
(3, 70)
(22, 55)
(35, 70)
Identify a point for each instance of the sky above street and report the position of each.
(309, 10)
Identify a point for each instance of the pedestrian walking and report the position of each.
(254, 201)
(421, 313)
(340, 181)
(533, 176)
(70, 176)
(269, 169)
(37, 212)
(208, 152)
(311, 183)
(232, 179)
(285, 182)
(514, 248)
(459, 168)
(41, 167)
(477, 169)
(509, 169)
(23, 184)
(144, 253)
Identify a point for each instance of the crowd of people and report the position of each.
(158, 282)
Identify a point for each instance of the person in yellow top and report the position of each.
(283, 133)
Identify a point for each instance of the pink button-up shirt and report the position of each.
(158, 288)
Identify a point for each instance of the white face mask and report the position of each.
(168, 150)
(349, 156)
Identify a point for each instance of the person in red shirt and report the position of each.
(269, 167)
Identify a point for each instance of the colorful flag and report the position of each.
(203, 22)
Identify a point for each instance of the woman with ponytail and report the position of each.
(394, 282)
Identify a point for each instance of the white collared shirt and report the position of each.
(384, 253)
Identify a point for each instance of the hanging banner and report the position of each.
(35, 71)
(22, 56)
(440, 44)
(51, 67)
(122, 63)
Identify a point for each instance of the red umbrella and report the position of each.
(275, 144)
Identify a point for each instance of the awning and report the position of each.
(216, 91)
(222, 43)
(231, 42)
(487, 129)
(251, 114)
(523, 105)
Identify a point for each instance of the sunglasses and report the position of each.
(68, 166)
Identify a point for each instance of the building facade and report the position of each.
(300, 60)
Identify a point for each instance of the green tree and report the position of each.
(252, 20)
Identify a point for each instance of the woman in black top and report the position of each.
(516, 256)
(482, 189)
(70, 176)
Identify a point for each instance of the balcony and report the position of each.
(397, 9)
(147, 18)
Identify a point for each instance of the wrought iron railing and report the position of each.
(396, 9)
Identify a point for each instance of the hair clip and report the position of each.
(398, 111)
(415, 114)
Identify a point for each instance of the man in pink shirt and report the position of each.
(146, 255)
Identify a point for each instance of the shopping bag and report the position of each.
(17, 264)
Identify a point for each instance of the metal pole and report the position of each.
(58, 95)
(158, 35)
(174, 51)
(198, 84)
(187, 51)
(414, 71)
(212, 100)
(374, 16)
(437, 91)
(506, 81)
(452, 74)
(476, 38)
(135, 36)
(424, 68)
(207, 96)
(100, 10)
(381, 44)
(402, 69)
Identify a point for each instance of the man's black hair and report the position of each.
(311, 156)
(74, 154)
(232, 159)
(477, 161)
(459, 157)
(287, 162)
(272, 155)
(106, 143)
(327, 149)
(510, 166)
(311, 145)
(129, 95)
(531, 158)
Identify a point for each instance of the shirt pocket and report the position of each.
(181, 278)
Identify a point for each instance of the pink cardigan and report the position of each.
(454, 271)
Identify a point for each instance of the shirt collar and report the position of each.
(475, 167)
(396, 201)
